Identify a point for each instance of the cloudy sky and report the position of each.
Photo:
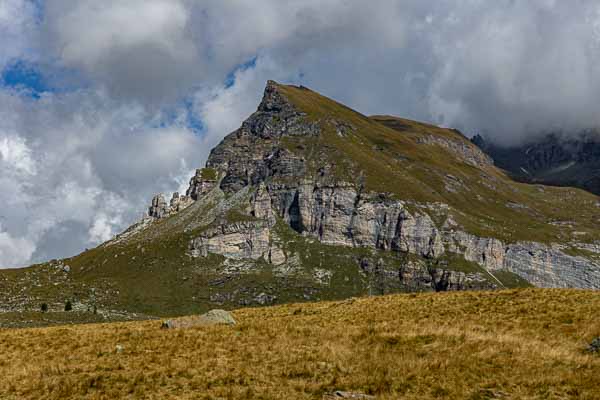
(103, 103)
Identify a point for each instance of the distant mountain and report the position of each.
(551, 160)
(310, 200)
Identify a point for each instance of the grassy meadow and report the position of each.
(523, 344)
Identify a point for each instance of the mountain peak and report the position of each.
(310, 199)
(273, 98)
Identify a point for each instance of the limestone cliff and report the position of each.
(336, 211)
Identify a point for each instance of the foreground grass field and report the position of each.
(525, 344)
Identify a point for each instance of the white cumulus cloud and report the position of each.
(17, 23)
(138, 49)
(14, 251)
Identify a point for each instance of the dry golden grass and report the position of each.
(525, 344)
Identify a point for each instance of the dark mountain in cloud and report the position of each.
(553, 159)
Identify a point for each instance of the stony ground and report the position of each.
(526, 344)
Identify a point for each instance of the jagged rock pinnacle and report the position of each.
(158, 208)
(273, 100)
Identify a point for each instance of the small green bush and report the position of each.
(44, 307)
(68, 306)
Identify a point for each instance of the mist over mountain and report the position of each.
(552, 159)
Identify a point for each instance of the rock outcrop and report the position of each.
(201, 183)
(242, 240)
(158, 207)
(342, 214)
(253, 152)
(471, 154)
(179, 203)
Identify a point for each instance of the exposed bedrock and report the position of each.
(339, 213)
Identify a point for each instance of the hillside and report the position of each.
(310, 200)
(510, 344)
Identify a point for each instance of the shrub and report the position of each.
(68, 306)
(594, 346)
(44, 307)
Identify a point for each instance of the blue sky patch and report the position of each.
(230, 79)
(24, 76)
(181, 113)
(193, 122)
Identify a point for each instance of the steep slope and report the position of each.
(309, 199)
(551, 159)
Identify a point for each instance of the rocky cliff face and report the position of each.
(317, 205)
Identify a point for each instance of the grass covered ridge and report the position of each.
(389, 155)
(470, 345)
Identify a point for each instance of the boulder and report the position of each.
(213, 317)
(594, 346)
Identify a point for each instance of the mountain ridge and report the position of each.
(311, 200)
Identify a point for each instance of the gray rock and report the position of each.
(261, 204)
(594, 346)
(264, 298)
(342, 128)
(251, 154)
(240, 240)
(179, 203)
(158, 208)
(213, 317)
(547, 266)
(468, 152)
(276, 255)
(200, 185)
